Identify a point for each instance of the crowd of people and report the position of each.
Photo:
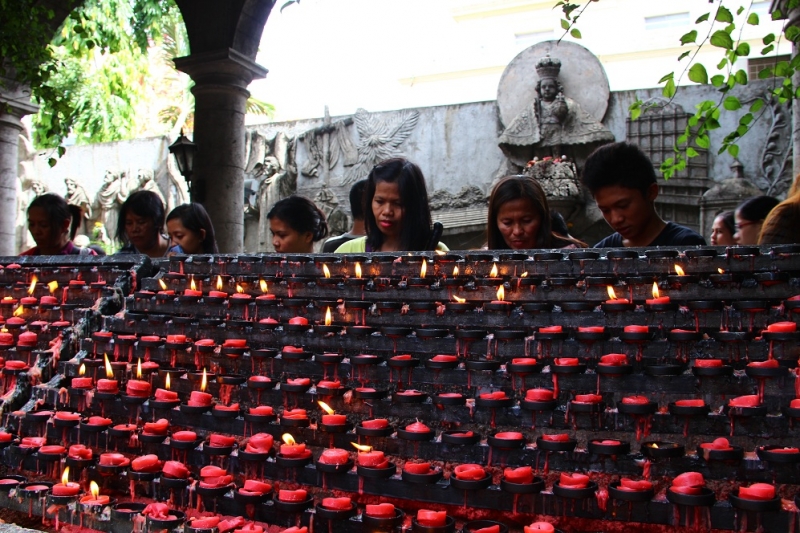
(391, 213)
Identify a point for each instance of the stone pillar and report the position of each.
(220, 91)
(14, 104)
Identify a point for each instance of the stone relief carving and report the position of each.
(466, 197)
(326, 144)
(379, 138)
(557, 176)
(776, 155)
(328, 202)
(145, 180)
(77, 196)
(111, 195)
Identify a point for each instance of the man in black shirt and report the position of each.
(622, 181)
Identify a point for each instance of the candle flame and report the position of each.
(358, 270)
(679, 270)
(424, 269)
(264, 287)
(328, 316)
(166, 382)
(325, 407)
(362, 447)
(326, 271)
(65, 476)
(82, 369)
(204, 381)
(721, 271)
(193, 285)
(109, 370)
(459, 300)
(524, 275)
(439, 252)
(493, 272)
(19, 310)
(655, 290)
(654, 445)
(288, 439)
(501, 293)
(611, 293)
(455, 271)
(162, 284)
(219, 282)
(34, 280)
(139, 369)
(53, 286)
(94, 489)
(239, 289)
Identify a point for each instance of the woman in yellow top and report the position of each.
(397, 217)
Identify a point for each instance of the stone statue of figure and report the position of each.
(146, 181)
(76, 195)
(109, 198)
(552, 121)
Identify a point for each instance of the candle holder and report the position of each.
(567, 445)
(490, 365)
(409, 396)
(431, 333)
(662, 450)
(292, 462)
(575, 493)
(292, 507)
(503, 443)
(327, 468)
(416, 436)
(460, 437)
(602, 447)
(380, 523)
(751, 505)
(777, 454)
(178, 517)
(429, 478)
(376, 473)
(471, 484)
(629, 495)
(374, 432)
(731, 455)
(705, 498)
(577, 307)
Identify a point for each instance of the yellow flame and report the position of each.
(82, 369)
(325, 407)
(193, 285)
(524, 275)
(288, 439)
(361, 447)
(162, 284)
(139, 369)
(166, 382)
(239, 289)
(656, 294)
(501, 293)
(358, 270)
(19, 310)
(219, 282)
(679, 270)
(204, 381)
(264, 286)
(459, 300)
(455, 271)
(53, 286)
(424, 269)
(654, 445)
(720, 271)
(611, 293)
(326, 271)
(94, 489)
(33, 285)
(109, 370)
(493, 272)
(439, 252)
(328, 316)
(65, 476)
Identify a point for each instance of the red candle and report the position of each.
(635, 400)
(539, 527)
(190, 292)
(101, 499)
(184, 436)
(509, 435)
(52, 449)
(214, 476)
(469, 472)
(160, 427)
(782, 327)
(632, 485)
(657, 298)
(523, 474)
(613, 297)
(294, 450)
(334, 420)
(326, 384)
(217, 294)
(81, 383)
(6, 339)
(417, 427)
(241, 296)
(48, 300)
(27, 338)
(110, 386)
(496, 395)
(298, 321)
(769, 363)
(371, 459)
(688, 483)
(418, 468)
(539, 395)
(99, 421)
(255, 488)
(717, 444)
(573, 480)
(136, 387)
(334, 456)
(566, 361)
(636, 329)
(293, 349)
(262, 410)
(68, 488)
(757, 491)
(176, 339)
(750, 400)
(32, 442)
(556, 437)
(375, 423)
(551, 329)
(164, 395)
(6, 437)
(690, 403)
(16, 365)
(29, 300)
(175, 469)
(220, 441)
(260, 443)
(591, 329)
(146, 463)
(588, 398)
(199, 399)
(235, 343)
(443, 359)
(113, 459)
(298, 495)
(795, 404)
(380, 510)
(614, 359)
(337, 504)
(205, 522)
(708, 363)
(426, 517)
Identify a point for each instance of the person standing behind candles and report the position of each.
(357, 210)
(520, 217)
(622, 181)
(49, 220)
(140, 226)
(397, 216)
(750, 216)
(191, 231)
(296, 223)
(722, 229)
(782, 225)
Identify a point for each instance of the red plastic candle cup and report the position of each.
(293, 450)
(235, 343)
(113, 459)
(146, 463)
(6, 339)
(101, 499)
(426, 517)
(158, 427)
(573, 480)
(175, 469)
(110, 386)
(184, 436)
(588, 398)
(371, 459)
(298, 495)
(176, 339)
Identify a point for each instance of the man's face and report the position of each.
(626, 210)
(549, 89)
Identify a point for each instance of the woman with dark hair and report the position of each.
(520, 218)
(191, 231)
(750, 217)
(140, 226)
(296, 223)
(49, 221)
(397, 216)
(722, 229)
(782, 225)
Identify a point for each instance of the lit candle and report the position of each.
(108, 385)
(192, 290)
(265, 291)
(81, 382)
(613, 297)
(501, 297)
(95, 498)
(50, 300)
(30, 299)
(370, 458)
(240, 294)
(219, 293)
(164, 290)
(290, 448)
(657, 298)
(66, 487)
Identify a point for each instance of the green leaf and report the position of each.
(702, 18)
(690, 37)
(717, 80)
(722, 63)
(723, 15)
(752, 19)
(721, 39)
(564, 24)
(691, 152)
(61, 151)
(698, 74)
(743, 49)
(731, 103)
(740, 11)
(767, 49)
(702, 141)
(683, 55)
(733, 149)
(52, 162)
(792, 33)
(666, 77)
(575, 33)
(746, 119)
(669, 89)
(756, 106)
(740, 77)
(777, 15)
(782, 69)
(768, 38)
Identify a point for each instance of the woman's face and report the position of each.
(747, 231)
(42, 230)
(140, 231)
(387, 208)
(286, 239)
(720, 234)
(519, 223)
(190, 241)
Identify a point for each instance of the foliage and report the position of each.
(718, 29)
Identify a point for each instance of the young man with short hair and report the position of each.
(622, 181)
(357, 210)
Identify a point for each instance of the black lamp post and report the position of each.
(184, 151)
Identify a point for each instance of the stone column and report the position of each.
(14, 104)
(221, 79)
